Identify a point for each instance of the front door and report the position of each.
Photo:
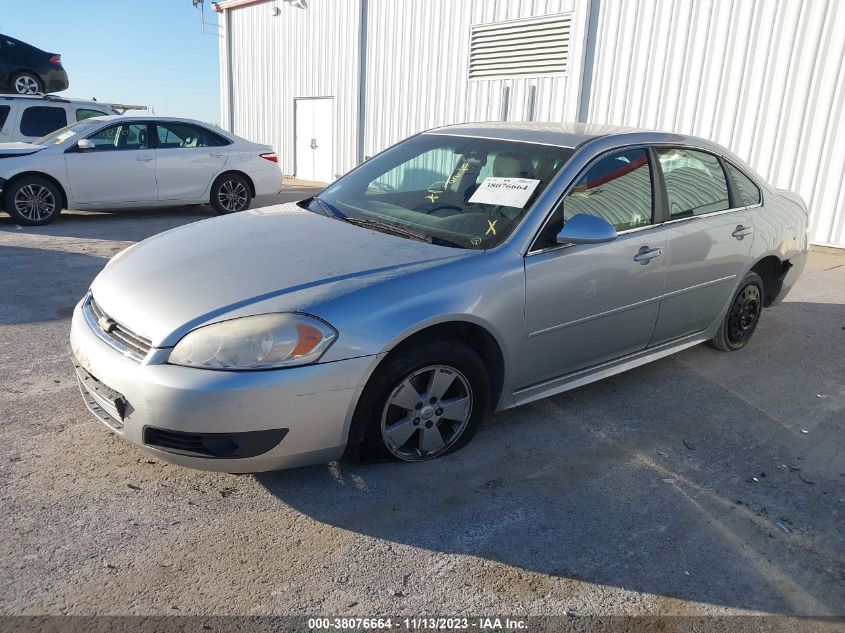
(590, 303)
(708, 243)
(119, 169)
(314, 139)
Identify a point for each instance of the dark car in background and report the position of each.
(27, 70)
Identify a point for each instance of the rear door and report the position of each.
(120, 169)
(188, 158)
(709, 236)
(591, 303)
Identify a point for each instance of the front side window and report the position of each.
(695, 182)
(182, 135)
(87, 113)
(4, 113)
(466, 192)
(123, 136)
(747, 189)
(41, 120)
(616, 188)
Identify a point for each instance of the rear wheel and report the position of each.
(230, 193)
(743, 315)
(27, 84)
(423, 402)
(33, 201)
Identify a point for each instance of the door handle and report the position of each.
(646, 254)
(741, 231)
(144, 159)
(215, 154)
(313, 143)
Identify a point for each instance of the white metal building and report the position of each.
(330, 82)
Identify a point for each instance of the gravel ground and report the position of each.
(654, 492)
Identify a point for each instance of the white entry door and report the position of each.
(314, 141)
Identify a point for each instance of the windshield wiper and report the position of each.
(333, 212)
(386, 227)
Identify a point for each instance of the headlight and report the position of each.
(263, 341)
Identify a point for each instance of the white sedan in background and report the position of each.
(115, 162)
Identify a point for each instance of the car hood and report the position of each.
(279, 258)
(19, 149)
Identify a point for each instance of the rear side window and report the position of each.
(184, 135)
(4, 113)
(41, 120)
(87, 113)
(747, 189)
(695, 182)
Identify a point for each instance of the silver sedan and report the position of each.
(468, 269)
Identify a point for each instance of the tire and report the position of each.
(26, 83)
(743, 315)
(230, 194)
(33, 201)
(423, 428)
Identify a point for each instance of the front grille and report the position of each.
(116, 334)
(105, 403)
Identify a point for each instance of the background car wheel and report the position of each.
(33, 201)
(230, 194)
(743, 315)
(422, 402)
(27, 84)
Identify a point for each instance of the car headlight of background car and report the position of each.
(264, 341)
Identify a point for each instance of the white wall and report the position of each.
(309, 52)
(762, 77)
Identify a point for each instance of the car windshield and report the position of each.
(454, 190)
(62, 135)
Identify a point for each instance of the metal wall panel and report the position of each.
(275, 59)
(417, 75)
(762, 77)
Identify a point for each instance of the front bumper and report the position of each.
(309, 408)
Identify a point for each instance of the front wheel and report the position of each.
(33, 201)
(230, 193)
(743, 315)
(423, 402)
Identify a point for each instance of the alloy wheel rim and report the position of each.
(426, 413)
(26, 85)
(232, 195)
(35, 202)
(745, 312)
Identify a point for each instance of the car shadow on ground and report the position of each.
(43, 284)
(709, 477)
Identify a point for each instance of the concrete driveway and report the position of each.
(703, 483)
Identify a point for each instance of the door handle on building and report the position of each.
(646, 254)
(313, 143)
(741, 231)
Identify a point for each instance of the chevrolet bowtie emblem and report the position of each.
(106, 324)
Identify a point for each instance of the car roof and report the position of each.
(571, 135)
(147, 117)
(50, 98)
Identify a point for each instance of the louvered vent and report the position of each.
(539, 46)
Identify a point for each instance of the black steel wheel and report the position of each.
(743, 315)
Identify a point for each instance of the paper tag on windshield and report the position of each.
(61, 138)
(507, 192)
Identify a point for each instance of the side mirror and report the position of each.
(85, 145)
(586, 229)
